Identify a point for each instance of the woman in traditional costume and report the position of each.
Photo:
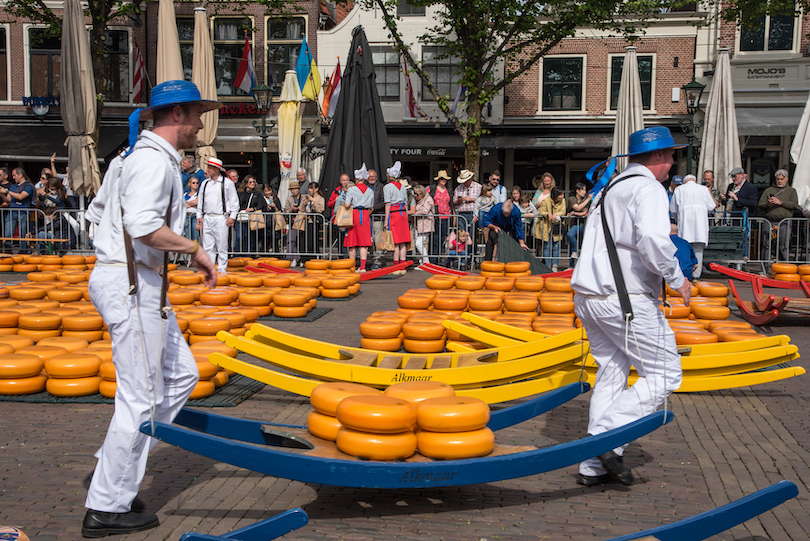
(361, 199)
(396, 212)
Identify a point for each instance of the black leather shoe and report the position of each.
(101, 523)
(137, 506)
(592, 481)
(616, 469)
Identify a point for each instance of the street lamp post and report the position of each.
(692, 90)
(263, 95)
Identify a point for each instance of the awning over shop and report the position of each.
(38, 143)
(768, 120)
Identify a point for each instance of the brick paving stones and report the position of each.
(721, 446)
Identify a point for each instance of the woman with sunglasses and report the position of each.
(191, 195)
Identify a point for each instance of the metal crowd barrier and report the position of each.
(562, 253)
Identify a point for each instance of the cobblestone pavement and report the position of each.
(721, 446)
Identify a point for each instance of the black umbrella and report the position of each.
(358, 132)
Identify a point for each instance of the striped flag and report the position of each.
(414, 111)
(245, 79)
(330, 95)
(138, 76)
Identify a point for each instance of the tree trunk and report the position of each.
(472, 140)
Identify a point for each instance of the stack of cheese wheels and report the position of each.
(204, 329)
(20, 373)
(354, 282)
(521, 302)
(236, 319)
(73, 374)
(322, 422)
(260, 300)
(381, 334)
(688, 332)
(108, 386)
(376, 427)
(335, 288)
(317, 265)
(733, 331)
(417, 391)
(492, 268)
(206, 386)
(518, 268)
(454, 427)
(8, 321)
(787, 272)
(86, 326)
(804, 272)
(423, 337)
(38, 326)
(340, 266)
(411, 302)
(289, 305)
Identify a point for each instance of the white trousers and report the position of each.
(613, 404)
(420, 243)
(215, 240)
(698, 248)
(153, 364)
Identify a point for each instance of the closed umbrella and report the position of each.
(358, 133)
(289, 132)
(629, 112)
(800, 155)
(203, 76)
(169, 63)
(78, 104)
(720, 148)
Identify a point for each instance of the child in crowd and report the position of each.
(483, 203)
(457, 248)
(528, 215)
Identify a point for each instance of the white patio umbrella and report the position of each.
(630, 109)
(720, 148)
(800, 155)
(79, 102)
(203, 76)
(289, 133)
(169, 63)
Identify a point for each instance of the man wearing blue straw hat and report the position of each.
(141, 211)
(626, 255)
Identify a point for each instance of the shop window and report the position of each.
(386, 70)
(562, 83)
(229, 44)
(768, 33)
(283, 45)
(185, 31)
(442, 70)
(405, 8)
(3, 65)
(46, 63)
(115, 69)
(645, 74)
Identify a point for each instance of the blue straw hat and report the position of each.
(173, 93)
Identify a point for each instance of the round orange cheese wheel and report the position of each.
(207, 370)
(71, 268)
(422, 331)
(414, 302)
(676, 311)
(203, 389)
(52, 260)
(784, 268)
(22, 386)
(804, 270)
(493, 266)
(83, 322)
(180, 296)
(529, 285)
(455, 445)
(73, 365)
(6, 268)
(24, 267)
(223, 280)
(190, 315)
(376, 446)
(289, 299)
(209, 326)
(484, 303)
(250, 280)
(742, 336)
(729, 323)
(713, 290)
(326, 397)
(43, 352)
(251, 314)
(6, 303)
(20, 365)
(41, 304)
(290, 311)
(27, 293)
(708, 311)
(335, 293)
(783, 277)
(216, 297)
(418, 391)
(236, 319)
(255, 299)
(379, 330)
(354, 289)
(107, 371)
(6, 349)
(37, 336)
(317, 264)
(71, 344)
(66, 295)
(182, 323)
(213, 346)
(89, 336)
(521, 304)
(450, 302)
(556, 306)
(277, 281)
(381, 344)
(85, 306)
(186, 279)
(439, 283)
(517, 266)
(73, 278)
(41, 277)
(390, 313)
(220, 378)
(105, 354)
(342, 264)
(107, 388)
(16, 341)
(500, 284)
(470, 284)
(9, 318)
(491, 274)
(423, 346)
(376, 413)
(309, 281)
(557, 284)
(73, 259)
(722, 331)
(335, 283)
(67, 387)
(685, 337)
(323, 426)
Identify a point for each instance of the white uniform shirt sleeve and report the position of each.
(145, 194)
(655, 249)
(232, 203)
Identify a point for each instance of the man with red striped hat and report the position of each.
(217, 207)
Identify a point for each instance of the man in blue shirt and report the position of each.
(502, 217)
(190, 169)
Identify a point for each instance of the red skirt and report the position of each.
(398, 224)
(360, 233)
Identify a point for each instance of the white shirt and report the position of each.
(210, 196)
(690, 204)
(358, 199)
(638, 218)
(148, 178)
(499, 193)
(395, 195)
